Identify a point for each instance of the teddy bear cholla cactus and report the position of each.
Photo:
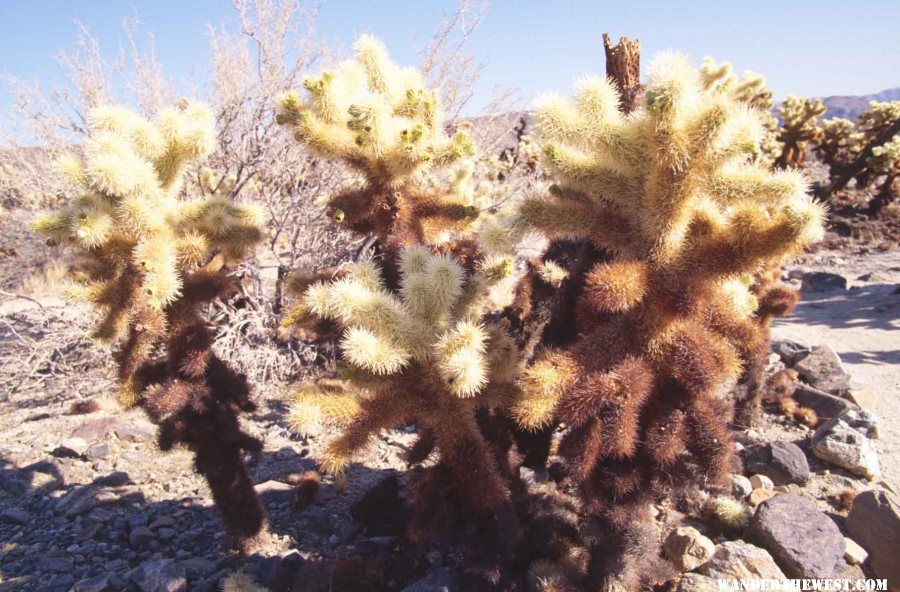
(670, 193)
(420, 355)
(799, 127)
(149, 262)
(378, 119)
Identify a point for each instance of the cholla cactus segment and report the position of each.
(686, 216)
(799, 126)
(421, 353)
(149, 262)
(129, 220)
(379, 119)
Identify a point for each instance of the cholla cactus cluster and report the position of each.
(799, 127)
(672, 196)
(148, 262)
(422, 355)
(865, 152)
(378, 119)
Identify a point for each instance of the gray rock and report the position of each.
(274, 492)
(822, 281)
(864, 422)
(783, 462)
(804, 542)
(741, 560)
(96, 584)
(824, 404)
(763, 482)
(441, 580)
(822, 369)
(694, 582)
(158, 575)
(740, 486)
(838, 443)
(196, 568)
(130, 432)
(791, 351)
(97, 451)
(874, 523)
(141, 537)
(687, 548)
(82, 500)
(71, 447)
(56, 564)
(15, 515)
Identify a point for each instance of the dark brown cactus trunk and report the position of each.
(623, 67)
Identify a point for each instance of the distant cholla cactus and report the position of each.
(885, 164)
(862, 152)
(422, 355)
(378, 119)
(840, 141)
(671, 194)
(150, 262)
(751, 90)
(799, 127)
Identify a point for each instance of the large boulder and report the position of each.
(740, 560)
(874, 523)
(823, 281)
(804, 542)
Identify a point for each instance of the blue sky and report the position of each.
(805, 48)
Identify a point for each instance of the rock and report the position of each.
(863, 397)
(872, 276)
(163, 522)
(96, 584)
(15, 515)
(761, 482)
(196, 568)
(95, 429)
(740, 486)
(791, 351)
(279, 573)
(158, 575)
(687, 548)
(853, 552)
(71, 447)
(694, 582)
(114, 479)
(97, 451)
(838, 443)
(824, 404)
(141, 537)
(441, 580)
(375, 545)
(758, 496)
(874, 523)
(864, 422)
(805, 542)
(783, 462)
(272, 492)
(82, 500)
(822, 369)
(56, 564)
(129, 432)
(823, 281)
(741, 560)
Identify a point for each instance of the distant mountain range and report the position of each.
(851, 107)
